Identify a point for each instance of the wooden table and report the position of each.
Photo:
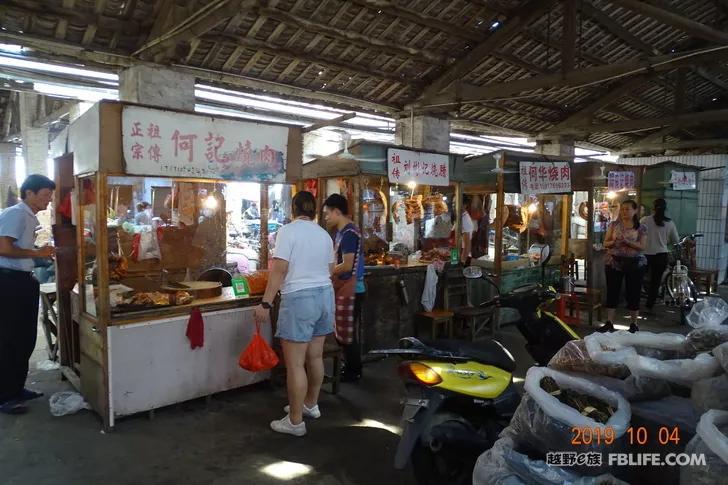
(49, 318)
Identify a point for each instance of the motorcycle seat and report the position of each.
(488, 352)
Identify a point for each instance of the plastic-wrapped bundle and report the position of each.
(633, 388)
(502, 465)
(705, 339)
(711, 441)
(542, 423)
(622, 348)
(574, 357)
(721, 353)
(710, 394)
(712, 311)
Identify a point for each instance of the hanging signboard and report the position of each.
(545, 177)
(169, 144)
(617, 181)
(405, 166)
(683, 180)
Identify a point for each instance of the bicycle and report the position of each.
(676, 287)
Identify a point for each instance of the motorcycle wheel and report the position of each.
(444, 466)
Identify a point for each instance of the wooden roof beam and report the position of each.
(582, 77)
(689, 26)
(676, 121)
(601, 101)
(198, 24)
(523, 18)
(640, 147)
(350, 36)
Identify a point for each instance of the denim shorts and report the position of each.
(305, 314)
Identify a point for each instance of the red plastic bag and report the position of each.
(258, 356)
(135, 244)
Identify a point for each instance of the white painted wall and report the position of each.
(712, 250)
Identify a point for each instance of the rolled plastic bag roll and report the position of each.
(710, 441)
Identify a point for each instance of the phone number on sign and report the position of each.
(585, 436)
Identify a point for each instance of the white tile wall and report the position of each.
(712, 250)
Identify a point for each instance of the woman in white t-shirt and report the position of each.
(302, 266)
(467, 228)
(661, 235)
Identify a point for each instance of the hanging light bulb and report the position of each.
(611, 195)
(210, 202)
(532, 207)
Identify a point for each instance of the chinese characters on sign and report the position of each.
(405, 166)
(620, 180)
(158, 142)
(545, 177)
(684, 180)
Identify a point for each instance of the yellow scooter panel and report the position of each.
(471, 378)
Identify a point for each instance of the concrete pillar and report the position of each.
(558, 147)
(157, 87)
(77, 109)
(7, 172)
(423, 132)
(35, 140)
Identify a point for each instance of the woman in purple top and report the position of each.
(625, 260)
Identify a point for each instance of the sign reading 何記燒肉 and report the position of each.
(620, 181)
(165, 143)
(405, 166)
(684, 180)
(545, 177)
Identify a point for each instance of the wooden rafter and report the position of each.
(74, 16)
(513, 26)
(346, 35)
(689, 26)
(601, 17)
(568, 43)
(195, 26)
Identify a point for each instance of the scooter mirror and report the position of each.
(473, 272)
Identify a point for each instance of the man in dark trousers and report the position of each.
(19, 291)
(347, 276)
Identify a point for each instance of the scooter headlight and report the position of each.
(419, 372)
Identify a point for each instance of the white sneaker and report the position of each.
(284, 425)
(308, 412)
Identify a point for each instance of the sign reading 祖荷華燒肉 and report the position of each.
(407, 166)
(545, 177)
(164, 143)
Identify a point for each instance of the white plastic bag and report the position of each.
(710, 441)
(148, 245)
(680, 371)
(429, 294)
(67, 402)
(710, 312)
(552, 407)
(614, 348)
(711, 393)
(47, 365)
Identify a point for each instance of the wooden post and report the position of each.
(566, 202)
(263, 256)
(500, 204)
(355, 207)
(590, 247)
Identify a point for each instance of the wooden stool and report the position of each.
(435, 318)
(332, 350)
(589, 299)
(476, 318)
(705, 277)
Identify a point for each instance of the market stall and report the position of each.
(524, 200)
(153, 195)
(407, 204)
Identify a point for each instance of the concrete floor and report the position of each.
(227, 441)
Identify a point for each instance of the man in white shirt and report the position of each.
(303, 263)
(468, 228)
(19, 291)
